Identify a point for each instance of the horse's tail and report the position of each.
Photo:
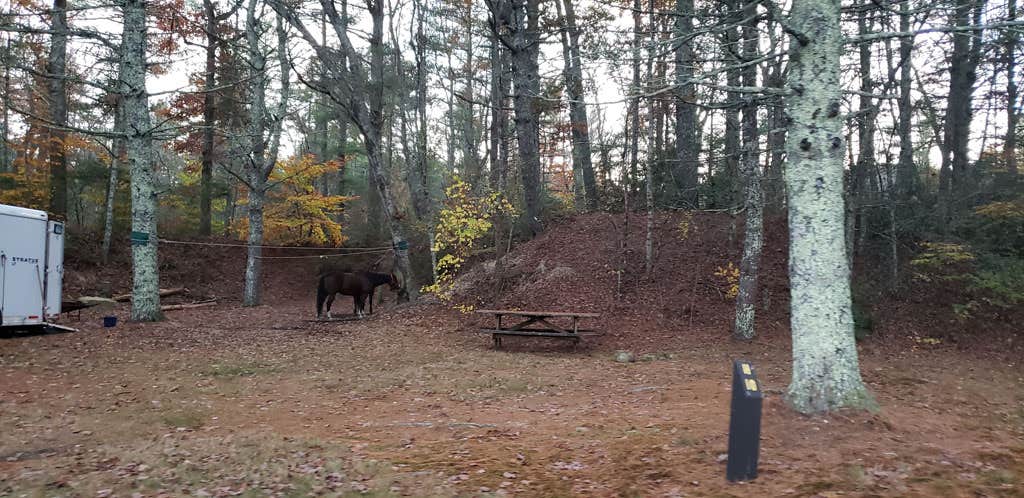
(321, 295)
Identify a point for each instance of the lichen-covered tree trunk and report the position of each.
(826, 371)
(252, 291)
(753, 198)
(145, 274)
(56, 68)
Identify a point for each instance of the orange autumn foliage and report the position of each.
(296, 212)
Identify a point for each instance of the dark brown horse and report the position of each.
(359, 285)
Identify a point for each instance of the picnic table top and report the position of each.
(538, 313)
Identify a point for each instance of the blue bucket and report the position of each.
(109, 321)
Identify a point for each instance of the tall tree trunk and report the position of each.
(730, 175)
(634, 104)
(864, 168)
(906, 171)
(651, 155)
(341, 72)
(362, 95)
(119, 157)
(264, 140)
(524, 19)
(497, 142)
(1012, 93)
(209, 113)
(451, 113)
(963, 66)
(826, 372)
(371, 124)
(773, 185)
(58, 93)
(578, 120)
(419, 183)
(252, 291)
(470, 162)
(578, 195)
(753, 200)
(139, 148)
(5, 148)
(685, 163)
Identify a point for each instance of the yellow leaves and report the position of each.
(685, 225)
(930, 341)
(1002, 211)
(730, 274)
(296, 212)
(938, 254)
(463, 221)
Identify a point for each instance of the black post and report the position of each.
(744, 423)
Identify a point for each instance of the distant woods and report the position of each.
(883, 130)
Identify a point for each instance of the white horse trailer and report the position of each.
(31, 267)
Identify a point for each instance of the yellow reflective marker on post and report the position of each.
(751, 384)
(746, 369)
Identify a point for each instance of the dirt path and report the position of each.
(258, 402)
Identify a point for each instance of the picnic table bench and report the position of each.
(524, 320)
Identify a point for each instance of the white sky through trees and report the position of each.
(608, 88)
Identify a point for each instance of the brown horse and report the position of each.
(359, 285)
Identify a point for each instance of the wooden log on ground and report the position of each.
(123, 298)
(173, 307)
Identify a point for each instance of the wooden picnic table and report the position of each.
(524, 320)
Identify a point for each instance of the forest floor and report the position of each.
(226, 401)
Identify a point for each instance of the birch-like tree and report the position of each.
(753, 198)
(259, 148)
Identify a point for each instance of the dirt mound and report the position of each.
(575, 266)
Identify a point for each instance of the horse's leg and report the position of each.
(358, 303)
(330, 301)
(373, 293)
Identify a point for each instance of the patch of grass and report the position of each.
(189, 419)
(856, 475)
(943, 487)
(685, 441)
(998, 477)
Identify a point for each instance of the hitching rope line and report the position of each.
(378, 251)
(224, 244)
